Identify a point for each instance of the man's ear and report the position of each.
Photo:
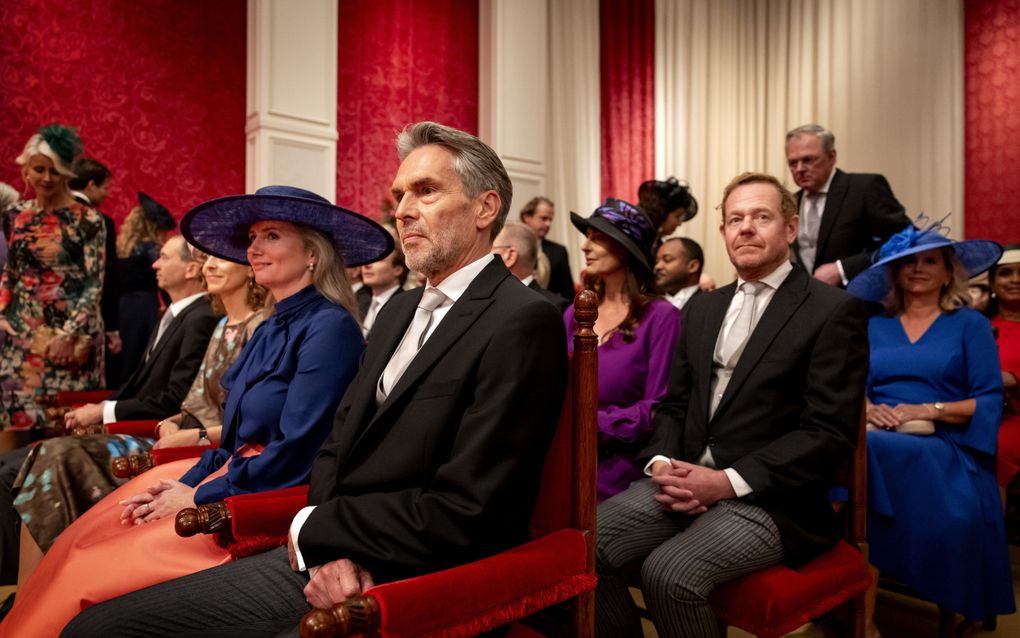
(193, 270)
(488, 211)
(693, 266)
(512, 256)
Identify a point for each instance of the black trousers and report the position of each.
(10, 465)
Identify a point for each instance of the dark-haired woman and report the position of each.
(1004, 279)
(281, 395)
(637, 334)
(49, 295)
(934, 403)
(667, 204)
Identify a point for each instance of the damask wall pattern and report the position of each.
(156, 89)
(992, 132)
(400, 61)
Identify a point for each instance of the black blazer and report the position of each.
(365, 300)
(159, 384)
(556, 300)
(860, 213)
(447, 469)
(788, 418)
(561, 281)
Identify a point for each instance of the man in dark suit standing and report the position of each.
(844, 217)
(765, 393)
(439, 442)
(538, 215)
(175, 351)
(678, 264)
(517, 245)
(383, 280)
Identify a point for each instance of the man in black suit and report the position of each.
(757, 417)
(844, 217)
(439, 442)
(517, 245)
(538, 215)
(678, 264)
(175, 351)
(384, 280)
(91, 187)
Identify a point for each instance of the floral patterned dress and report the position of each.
(51, 285)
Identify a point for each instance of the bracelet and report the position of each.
(203, 435)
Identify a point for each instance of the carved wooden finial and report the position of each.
(121, 467)
(140, 463)
(353, 617)
(186, 523)
(586, 308)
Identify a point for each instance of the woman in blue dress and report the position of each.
(934, 403)
(281, 396)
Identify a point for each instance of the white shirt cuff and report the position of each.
(295, 531)
(109, 412)
(842, 275)
(655, 459)
(739, 485)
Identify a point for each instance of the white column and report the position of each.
(539, 104)
(291, 125)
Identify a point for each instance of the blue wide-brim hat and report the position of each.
(975, 255)
(627, 224)
(220, 226)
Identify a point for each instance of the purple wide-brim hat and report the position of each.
(975, 255)
(220, 226)
(627, 224)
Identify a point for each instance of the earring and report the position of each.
(311, 266)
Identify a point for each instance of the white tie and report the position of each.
(373, 310)
(413, 340)
(163, 324)
(741, 330)
(808, 243)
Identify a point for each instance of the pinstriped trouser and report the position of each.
(681, 558)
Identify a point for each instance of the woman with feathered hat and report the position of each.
(49, 294)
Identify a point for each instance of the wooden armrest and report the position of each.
(140, 428)
(131, 465)
(75, 398)
(244, 515)
(480, 595)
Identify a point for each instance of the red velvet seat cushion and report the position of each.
(485, 594)
(169, 454)
(141, 428)
(777, 600)
(266, 513)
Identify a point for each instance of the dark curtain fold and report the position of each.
(627, 72)
(400, 61)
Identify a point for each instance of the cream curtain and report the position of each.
(886, 76)
(574, 173)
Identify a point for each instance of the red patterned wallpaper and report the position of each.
(992, 131)
(627, 70)
(155, 88)
(400, 61)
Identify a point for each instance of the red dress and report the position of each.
(1009, 431)
(123, 558)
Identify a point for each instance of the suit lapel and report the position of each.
(833, 204)
(790, 295)
(713, 326)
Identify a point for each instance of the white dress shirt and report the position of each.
(110, 407)
(454, 288)
(682, 296)
(772, 282)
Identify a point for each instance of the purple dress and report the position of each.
(632, 380)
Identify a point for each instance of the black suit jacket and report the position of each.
(447, 469)
(556, 300)
(561, 281)
(159, 384)
(860, 213)
(788, 418)
(365, 300)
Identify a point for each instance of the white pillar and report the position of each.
(291, 125)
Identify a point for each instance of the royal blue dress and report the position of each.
(935, 518)
(282, 393)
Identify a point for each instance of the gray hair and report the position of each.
(823, 134)
(38, 146)
(477, 165)
(8, 196)
(525, 242)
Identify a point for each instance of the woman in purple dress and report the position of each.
(637, 334)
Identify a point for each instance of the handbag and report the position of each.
(920, 427)
(82, 345)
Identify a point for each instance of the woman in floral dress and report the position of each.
(49, 293)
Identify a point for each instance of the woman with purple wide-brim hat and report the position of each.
(934, 406)
(281, 395)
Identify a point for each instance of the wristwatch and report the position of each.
(203, 436)
(940, 409)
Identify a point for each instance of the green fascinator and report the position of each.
(63, 140)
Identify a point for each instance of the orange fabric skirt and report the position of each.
(97, 558)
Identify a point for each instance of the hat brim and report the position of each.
(975, 255)
(603, 225)
(220, 226)
(156, 213)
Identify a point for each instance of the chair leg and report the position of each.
(947, 623)
(856, 619)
